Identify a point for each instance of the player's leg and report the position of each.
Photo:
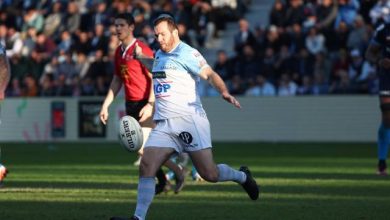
(384, 135)
(160, 175)
(209, 171)
(179, 174)
(151, 162)
(147, 126)
(158, 149)
(197, 142)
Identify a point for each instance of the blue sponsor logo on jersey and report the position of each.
(161, 88)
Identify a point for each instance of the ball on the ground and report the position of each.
(130, 133)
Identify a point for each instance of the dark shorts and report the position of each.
(384, 83)
(134, 107)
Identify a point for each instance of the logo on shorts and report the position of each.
(186, 137)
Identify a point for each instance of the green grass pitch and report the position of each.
(96, 181)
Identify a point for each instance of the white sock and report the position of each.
(146, 191)
(227, 173)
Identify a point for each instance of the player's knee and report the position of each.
(209, 176)
(146, 168)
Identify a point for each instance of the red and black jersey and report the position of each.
(133, 74)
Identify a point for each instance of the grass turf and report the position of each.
(97, 181)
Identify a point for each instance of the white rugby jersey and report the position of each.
(175, 80)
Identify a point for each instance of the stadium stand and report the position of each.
(298, 47)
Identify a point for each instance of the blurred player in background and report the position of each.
(378, 52)
(138, 88)
(5, 73)
(181, 122)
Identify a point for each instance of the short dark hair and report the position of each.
(168, 18)
(127, 17)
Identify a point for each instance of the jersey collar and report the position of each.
(124, 50)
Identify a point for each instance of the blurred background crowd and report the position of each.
(312, 47)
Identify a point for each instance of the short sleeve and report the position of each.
(194, 62)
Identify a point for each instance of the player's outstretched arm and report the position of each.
(216, 81)
(145, 60)
(5, 72)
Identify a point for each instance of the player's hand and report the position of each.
(146, 112)
(103, 115)
(229, 98)
(137, 51)
(385, 63)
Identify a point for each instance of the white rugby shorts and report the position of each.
(183, 134)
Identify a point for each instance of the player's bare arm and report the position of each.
(4, 72)
(147, 111)
(115, 86)
(373, 54)
(145, 60)
(216, 81)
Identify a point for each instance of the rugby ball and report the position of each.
(130, 133)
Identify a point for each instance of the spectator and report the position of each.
(66, 66)
(53, 21)
(261, 87)
(30, 88)
(286, 86)
(342, 85)
(295, 12)
(338, 40)
(304, 64)
(298, 39)
(47, 86)
(236, 85)
(34, 19)
(306, 88)
(72, 19)
(277, 15)
(347, 12)
(14, 89)
(29, 42)
(268, 64)
(247, 64)
(326, 13)
(98, 67)
(82, 43)
(244, 37)
(359, 35)
(284, 61)
(61, 87)
(320, 85)
(224, 66)
(14, 43)
(322, 65)
(82, 64)
(44, 48)
(315, 41)
(66, 42)
(203, 24)
(355, 65)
